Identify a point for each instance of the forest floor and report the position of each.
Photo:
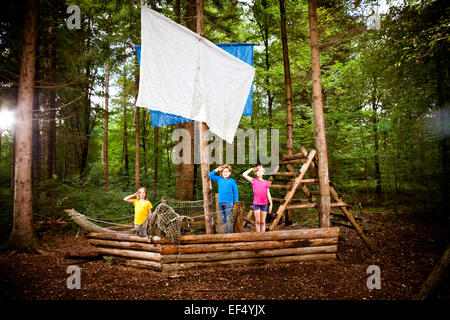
(407, 248)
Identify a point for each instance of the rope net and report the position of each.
(165, 220)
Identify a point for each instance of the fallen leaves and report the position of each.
(403, 258)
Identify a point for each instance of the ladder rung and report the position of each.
(294, 161)
(302, 206)
(338, 204)
(318, 193)
(285, 174)
(292, 200)
(293, 156)
(315, 181)
(313, 205)
(279, 186)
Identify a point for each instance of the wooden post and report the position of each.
(319, 121)
(239, 220)
(352, 220)
(218, 226)
(204, 148)
(287, 82)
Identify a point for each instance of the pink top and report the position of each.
(260, 190)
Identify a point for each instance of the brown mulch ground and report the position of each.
(406, 251)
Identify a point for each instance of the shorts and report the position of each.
(262, 207)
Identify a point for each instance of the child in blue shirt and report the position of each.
(228, 193)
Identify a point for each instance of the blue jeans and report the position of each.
(225, 210)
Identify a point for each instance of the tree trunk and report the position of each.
(184, 182)
(125, 129)
(441, 98)
(264, 29)
(51, 112)
(36, 126)
(106, 116)
(287, 83)
(375, 138)
(319, 120)
(204, 148)
(105, 130)
(145, 113)
(125, 141)
(137, 172)
(85, 122)
(155, 158)
(438, 275)
(22, 235)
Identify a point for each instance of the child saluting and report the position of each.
(262, 197)
(142, 207)
(228, 193)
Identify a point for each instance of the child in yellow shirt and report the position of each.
(142, 207)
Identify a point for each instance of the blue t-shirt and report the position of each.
(228, 191)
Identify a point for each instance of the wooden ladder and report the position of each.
(296, 180)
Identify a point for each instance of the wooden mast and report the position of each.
(287, 82)
(204, 148)
(319, 121)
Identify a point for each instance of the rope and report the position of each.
(165, 220)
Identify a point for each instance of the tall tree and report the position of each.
(137, 174)
(184, 183)
(51, 112)
(22, 234)
(155, 158)
(263, 19)
(287, 81)
(319, 119)
(36, 126)
(106, 115)
(288, 86)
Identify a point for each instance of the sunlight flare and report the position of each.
(7, 119)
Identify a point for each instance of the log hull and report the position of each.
(159, 253)
(312, 257)
(219, 256)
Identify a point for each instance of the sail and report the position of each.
(186, 75)
(242, 51)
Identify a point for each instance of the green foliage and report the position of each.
(384, 92)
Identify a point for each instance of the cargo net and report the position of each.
(195, 211)
(166, 220)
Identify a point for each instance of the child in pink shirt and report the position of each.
(261, 197)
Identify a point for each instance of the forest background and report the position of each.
(385, 89)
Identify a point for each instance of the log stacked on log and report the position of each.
(159, 253)
(293, 180)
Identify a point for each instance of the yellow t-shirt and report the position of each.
(141, 208)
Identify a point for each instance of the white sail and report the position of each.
(185, 74)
